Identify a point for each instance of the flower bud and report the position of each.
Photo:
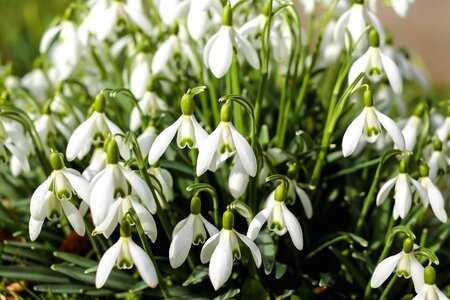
(196, 205)
(125, 229)
(56, 160)
(266, 8)
(112, 155)
(227, 15)
(225, 112)
(228, 220)
(292, 171)
(187, 105)
(437, 145)
(429, 275)
(99, 104)
(368, 100)
(374, 38)
(419, 110)
(280, 192)
(408, 245)
(403, 168)
(424, 170)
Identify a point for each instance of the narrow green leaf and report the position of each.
(75, 259)
(32, 273)
(199, 274)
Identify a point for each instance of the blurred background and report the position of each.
(425, 33)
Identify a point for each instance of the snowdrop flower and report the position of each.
(443, 132)
(411, 129)
(279, 219)
(95, 129)
(103, 17)
(149, 104)
(14, 146)
(368, 123)
(405, 185)
(238, 179)
(140, 74)
(223, 142)
(430, 291)
(96, 163)
(190, 133)
(405, 263)
(355, 19)
(124, 253)
(222, 248)
(172, 10)
(437, 162)
(294, 191)
(113, 182)
(218, 52)
(120, 208)
(374, 63)
(53, 196)
(201, 14)
(48, 125)
(400, 7)
(435, 197)
(146, 139)
(165, 181)
(37, 83)
(187, 232)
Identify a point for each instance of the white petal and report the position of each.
(212, 230)
(250, 28)
(417, 274)
(248, 50)
(207, 49)
(143, 264)
(293, 227)
(401, 7)
(197, 23)
(221, 262)
(420, 190)
(353, 134)
(358, 67)
(80, 138)
(140, 76)
(253, 248)
(402, 195)
(48, 38)
(34, 228)
(245, 152)
(163, 140)
(392, 73)
(306, 202)
(110, 222)
(392, 129)
(209, 247)
(181, 243)
(221, 53)
(107, 263)
(106, 23)
(140, 188)
(238, 180)
(74, 217)
(139, 18)
(377, 24)
(207, 149)
(384, 270)
(163, 54)
(385, 189)
(200, 133)
(339, 29)
(78, 183)
(440, 294)
(38, 208)
(101, 195)
(258, 221)
(356, 23)
(437, 201)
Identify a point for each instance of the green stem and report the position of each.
(389, 287)
(236, 90)
(213, 98)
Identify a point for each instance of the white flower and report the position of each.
(355, 20)
(124, 253)
(37, 83)
(429, 290)
(218, 52)
(149, 104)
(279, 219)
(296, 191)
(410, 132)
(146, 139)
(222, 248)
(120, 208)
(114, 182)
(190, 133)
(238, 179)
(368, 124)
(405, 264)
(53, 196)
(374, 63)
(96, 163)
(187, 232)
(14, 141)
(405, 185)
(171, 11)
(443, 132)
(95, 129)
(165, 181)
(140, 74)
(435, 198)
(437, 162)
(201, 14)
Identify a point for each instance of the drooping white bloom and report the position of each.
(120, 208)
(146, 139)
(171, 11)
(218, 52)
(435, 198)
(443, 132)
(279, 219)
(187, 232)
(14, 146)
(140, 74)
(295, 191)
(113, 182)
(149, 104)
(355, 19)
(37, 83)
(429, 290)
(223, 142)
(201, 14)
(375, 63)
(368, 124)
(404, 263)
(53, 197)
(165, 181)
(124, 253)
(400, 7)
(96, 164)
(410, 132)
(438, 162)
(95, 129)
(222, 248)
(405, 186)
(188, 130)
(238, 179)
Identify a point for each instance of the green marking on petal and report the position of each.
(275, 225)
(236, 253)
(98, 137)
(403, 273)
(374, 71)
(64, 194)
(225, 148)
(199, 239)
(187, 141)
(54, 214)
(124, 263)
(372, 131)
(119, 192)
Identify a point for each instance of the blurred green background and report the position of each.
(22, 23)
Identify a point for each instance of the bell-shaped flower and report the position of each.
(36, 81)
(124, 253)
(95, 129)
(201, 14)
(165, 182)
(120, 208)
(53, 196)
(140, 74)
(368, 124)
(238, 179)
(222, 248)
(223, 142)
(171, 11)
(189, 132)
(356, 19)
(435, 197)
(191, 230)
(279, 219)
(437, 162)
(375, 63)
(429, 290)
(405, 186)
(97, 162)
(410, 132)
(113, 182)
(400, 7)
(14, 146)
(295, 190)
(146, 139)
(404, 264)
(218, 52)
(443, 132)
(149, 104)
